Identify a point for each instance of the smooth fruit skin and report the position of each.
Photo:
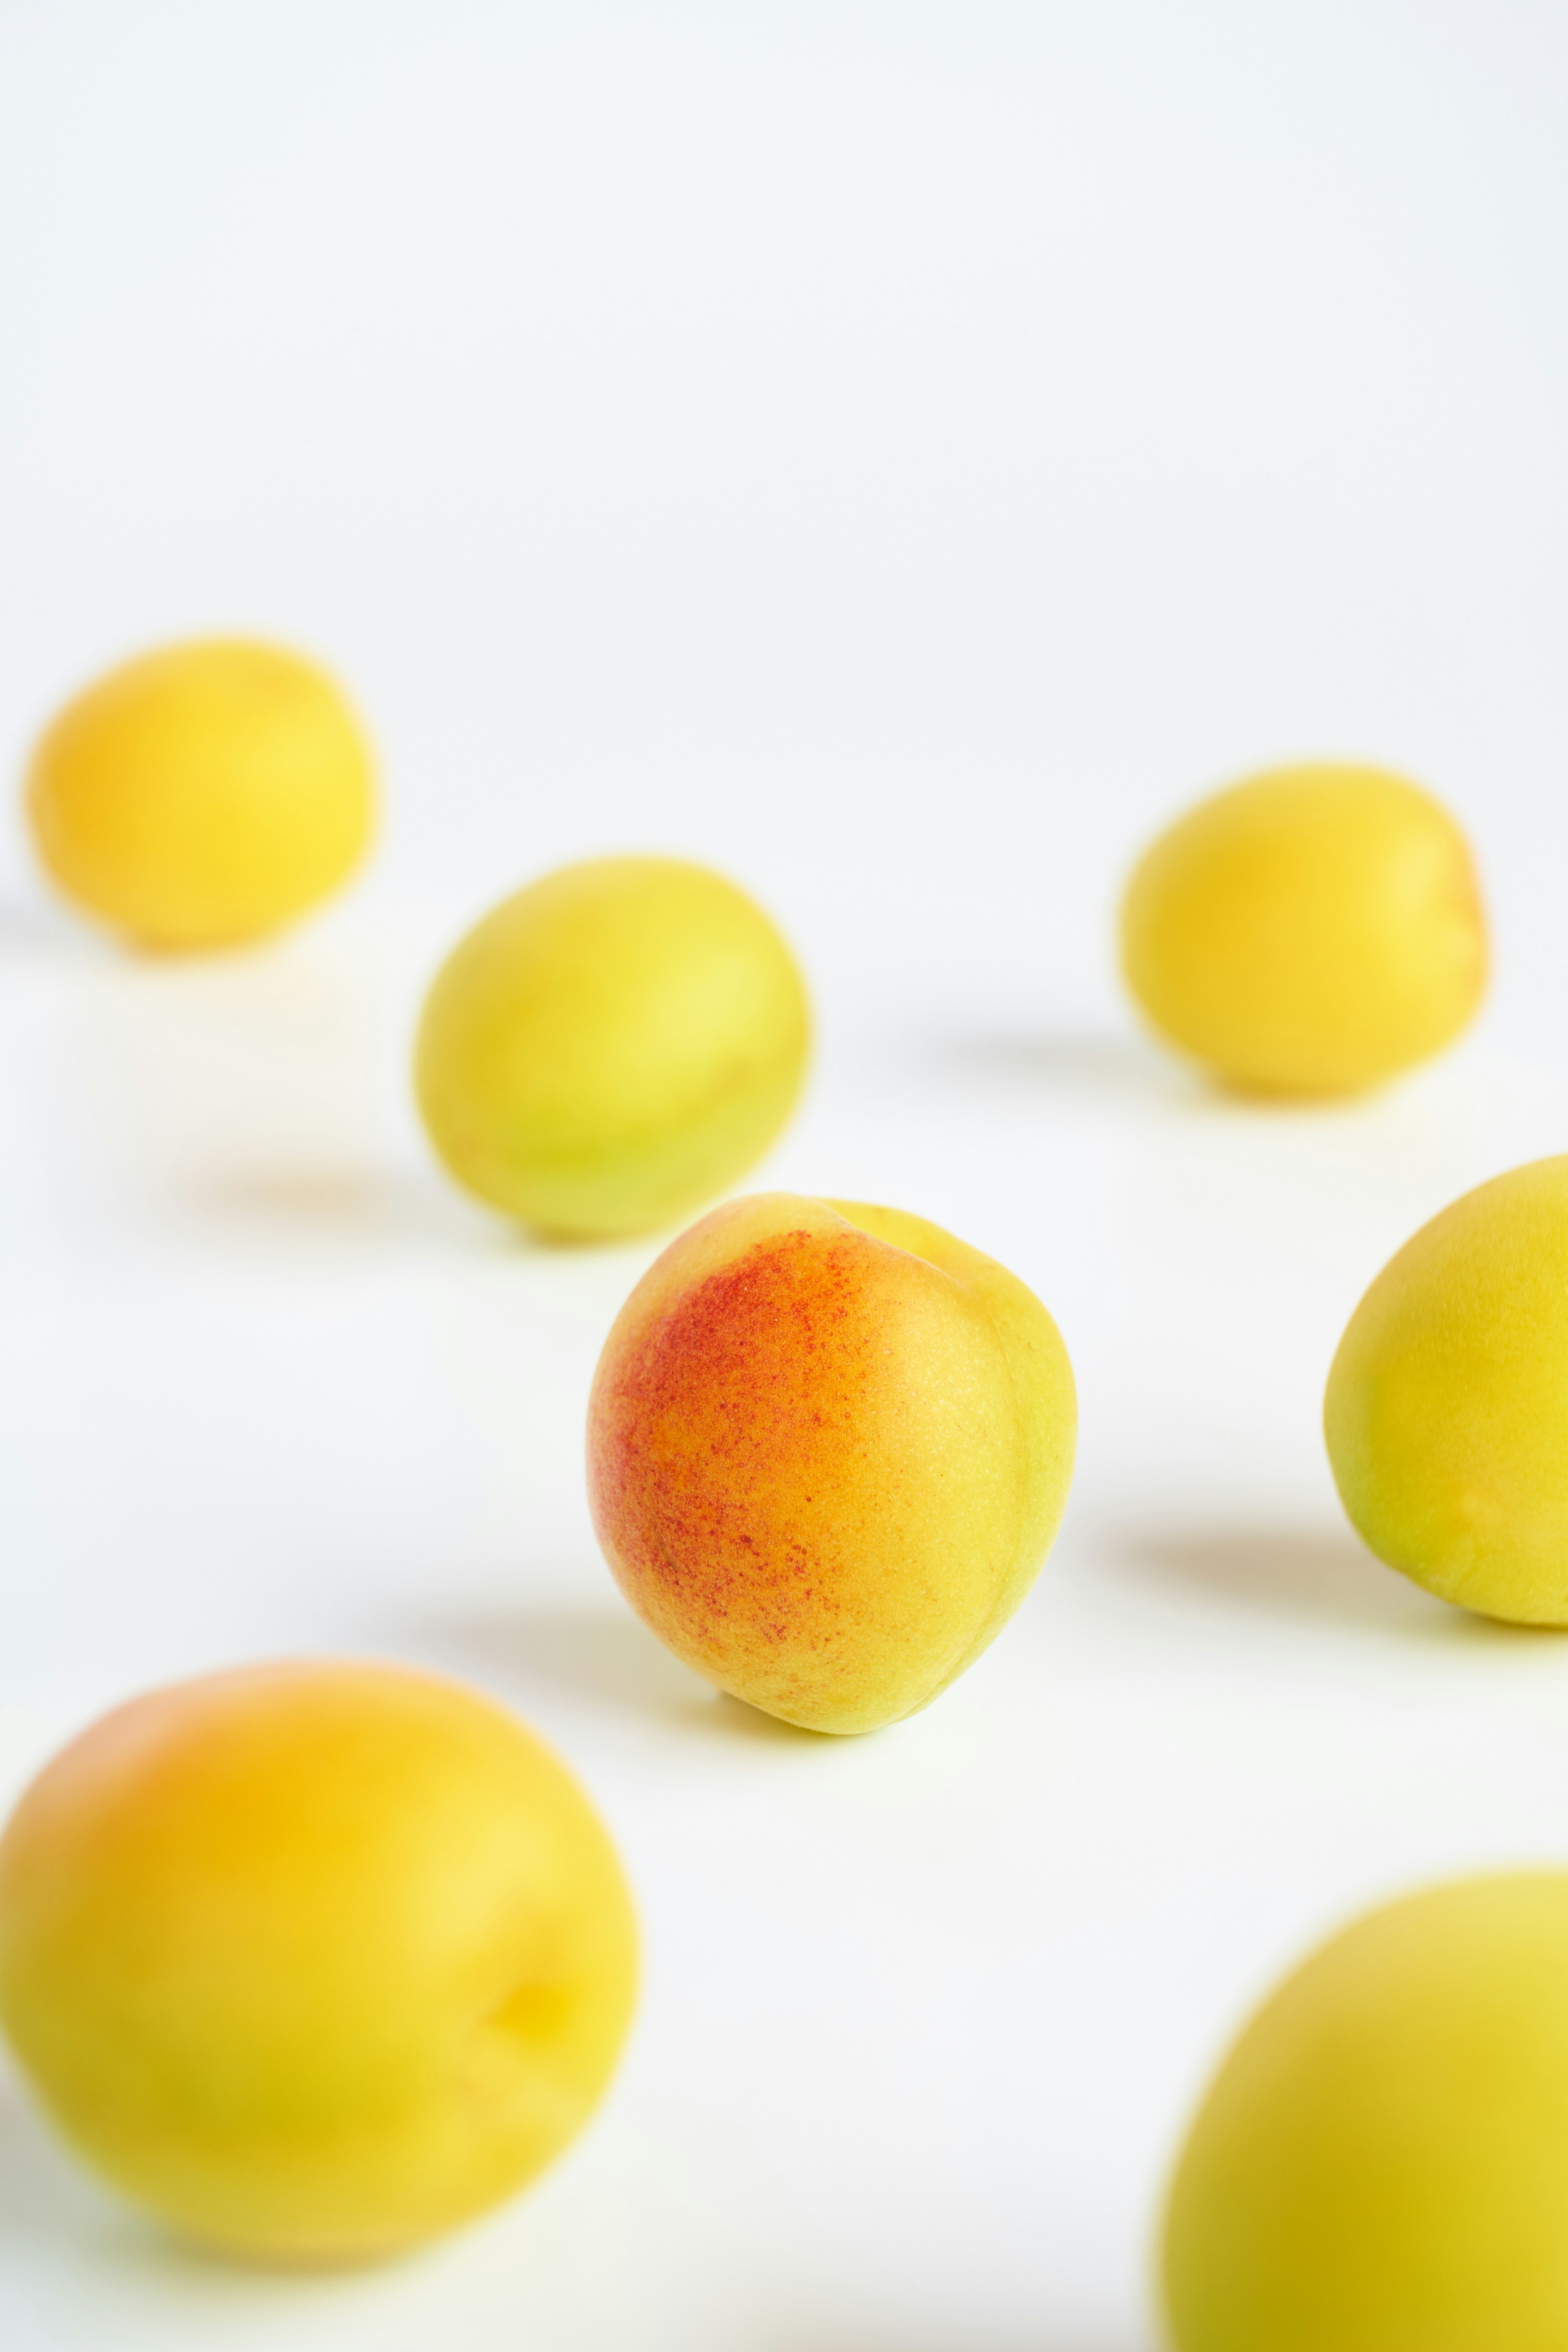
(828, 1448)
(1381, 2163)
(203, 794)
(612, 1047)
(314, 1960)
(1308, 932)
(1445, 1413)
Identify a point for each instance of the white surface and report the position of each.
(897, 456)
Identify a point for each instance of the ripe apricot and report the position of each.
(203, 794)
(828, 1448)
(612, 1047)
(1445, 1413)
(1378, 2165)
(313, 1960)
(1308, 932)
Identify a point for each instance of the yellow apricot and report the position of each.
(203, 794)
(1308, 932)
(828, 1449)
(1446, 1408)
(1379, 2164)
(612, 1047)
(313, 1960)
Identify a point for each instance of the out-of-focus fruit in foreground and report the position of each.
(203, 794)
(612, 1047)
(1447, 1409)
(828, 1448)
(1379, 2164)
(313, 1960)
(1310, 932)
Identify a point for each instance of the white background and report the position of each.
(899, 456)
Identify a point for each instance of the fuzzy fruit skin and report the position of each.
(1310, 932)
(612, 1047)
(203, 794)
(828, 1448)
(313, 1960)
(1379, 2164)
(1445, 1413)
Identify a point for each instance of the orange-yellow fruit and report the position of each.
(314, 1960)
(203, 794)
(1446, 1408)
(828, 1448)
(612, 1047)
(1308, 932)
(1379, 2164)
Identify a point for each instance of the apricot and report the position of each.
(1308, 932)
(203, 794)
(1445, 1413)
(612, 1047)
(313, 1960)
(1379, 2164)
(828, 1448)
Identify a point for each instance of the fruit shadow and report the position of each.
(35, 931)
(1320, 1574)
(1112, 1065)
(1095, 1063)
(605, 1658)
(937, 2339)
(335, 1205)
(44, 2199)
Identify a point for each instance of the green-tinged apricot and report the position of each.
(1446, 1408)
(313, 1960)
(828, 1448)
(203, 794)
(612, 1047)
(1308, 932)
(1379, 2165)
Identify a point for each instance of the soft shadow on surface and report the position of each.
(334, 1204)
(936, 2339)
(43, 2194)
(1082, 1062)
(32, 931)
(605, 1658)
(338, 1203)
(1296, 1572)
(1108, 1064)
